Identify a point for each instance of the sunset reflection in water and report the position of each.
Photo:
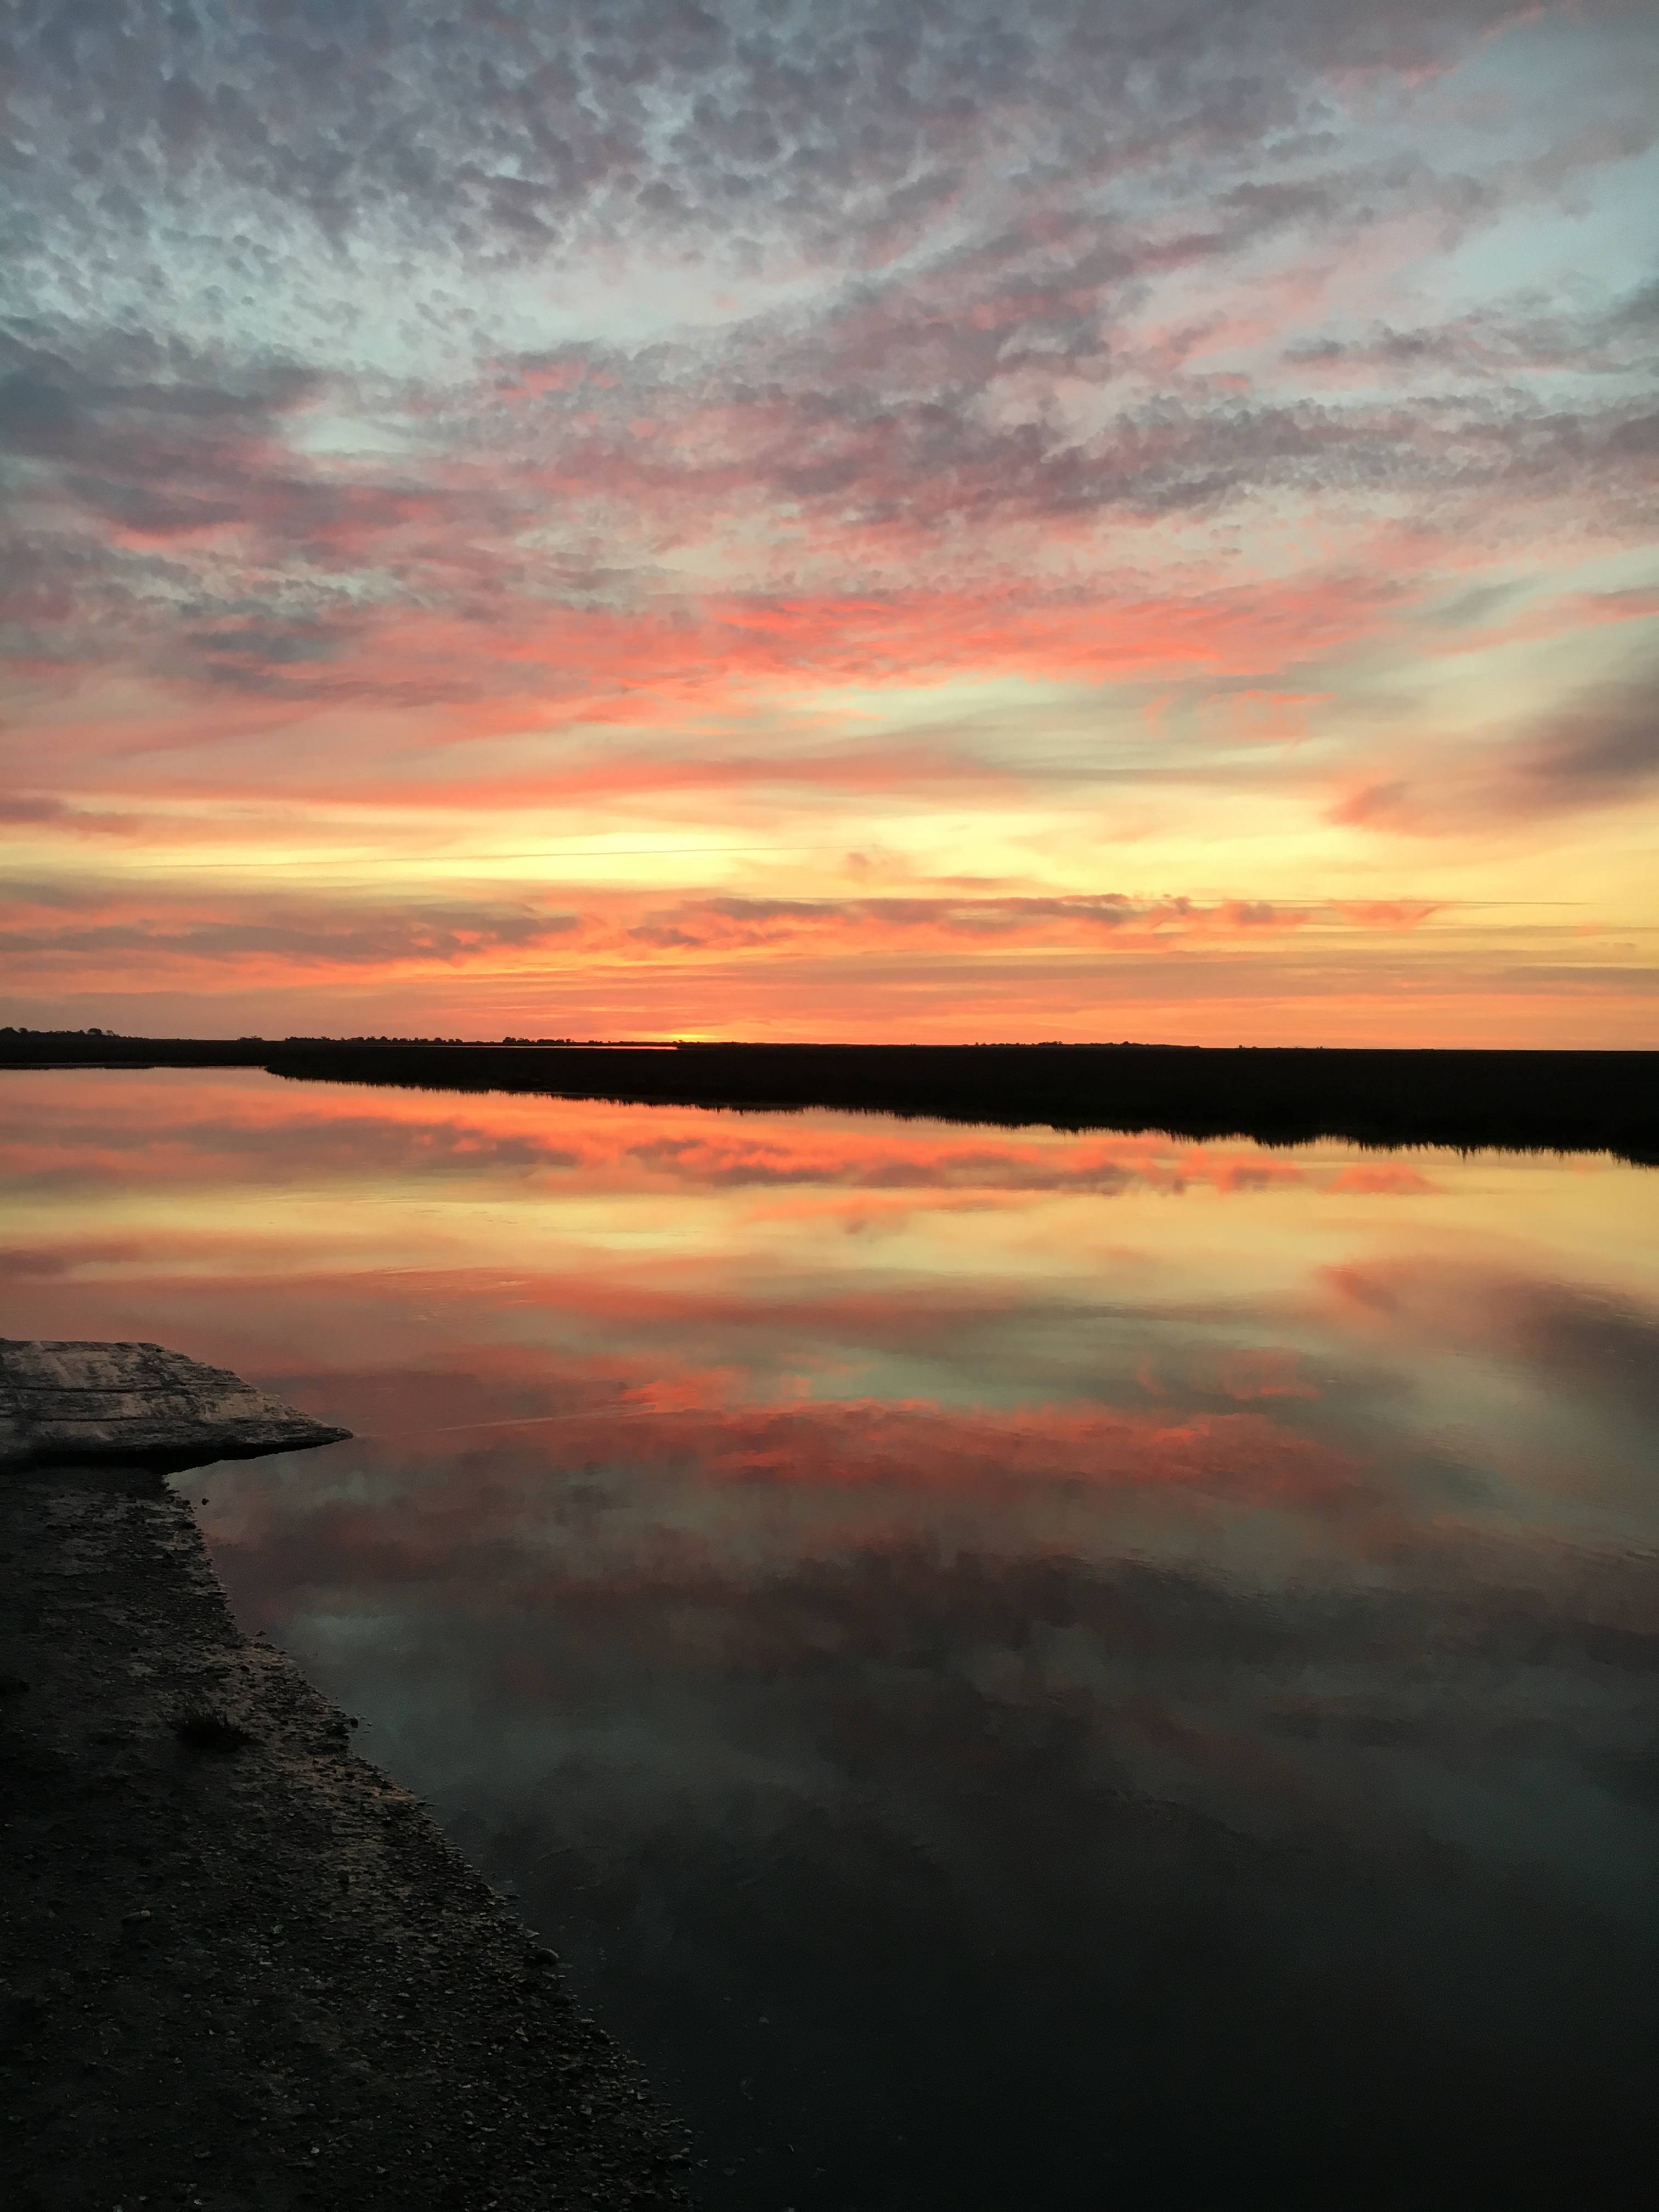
(1017, 1669)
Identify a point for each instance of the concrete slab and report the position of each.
(79, 1404)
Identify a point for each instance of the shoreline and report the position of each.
(243, 1971)
(1467, 1101)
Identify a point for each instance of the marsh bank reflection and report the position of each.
(1020, 1670)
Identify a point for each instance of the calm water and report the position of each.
(1018, 1670)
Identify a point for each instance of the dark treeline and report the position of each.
(104, 1048)
(1527, 1101)
(1517, 1101)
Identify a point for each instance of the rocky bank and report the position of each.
(241, 1968)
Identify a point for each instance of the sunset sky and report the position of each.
(1088, 518)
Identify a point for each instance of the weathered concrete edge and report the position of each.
(74, 1402)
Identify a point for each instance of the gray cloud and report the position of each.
(1601, 1346)
(739, 922)
(1601, 750)
(306, 932)
(175, 523)
(514, 135)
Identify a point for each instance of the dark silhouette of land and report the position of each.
(104, 1048)
(1516, 1101)
(241, 1966)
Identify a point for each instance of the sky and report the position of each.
(840, 520)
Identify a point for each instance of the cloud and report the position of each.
(1516, 337)
(275, 933)
(23, 808)
(725, 923)
(1600, 1344)
(986, 365)
(1601, 750)
(727, 131)
(41, 810)
(84, 934)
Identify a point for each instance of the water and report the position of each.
(1017, 1670)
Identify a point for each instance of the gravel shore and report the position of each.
(242, 1969)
